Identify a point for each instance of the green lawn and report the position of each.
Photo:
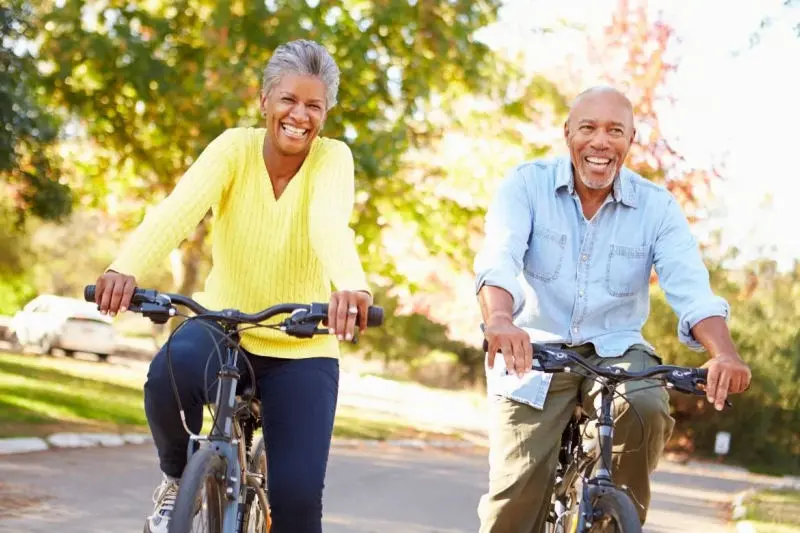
(39, 395)
(42, 395)
(774, 511)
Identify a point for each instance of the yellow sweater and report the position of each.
(264, 251)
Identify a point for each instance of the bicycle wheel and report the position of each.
(617, 513)
(256, 518)
(200, 504)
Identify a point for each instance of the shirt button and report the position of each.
(575, 330)
(584, 257)
(580, 292)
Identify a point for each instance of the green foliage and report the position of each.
(27, 162)
(765, 421)
(16, 262)
(155, 82)
(413, 337)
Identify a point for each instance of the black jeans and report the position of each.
(298, 398)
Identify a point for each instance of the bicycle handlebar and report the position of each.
(683, 379)
(159, 306)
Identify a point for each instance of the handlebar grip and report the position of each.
(374, 315)
(702, 373)
(485, 345)
(89, 292)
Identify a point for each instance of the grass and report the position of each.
(40, 395)
(43, 395)
(774, 511)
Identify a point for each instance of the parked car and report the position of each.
(69, 324)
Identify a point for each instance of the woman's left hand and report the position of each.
(342, 312)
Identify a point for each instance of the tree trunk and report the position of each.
(192, 251)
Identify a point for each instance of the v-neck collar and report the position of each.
(299, 175)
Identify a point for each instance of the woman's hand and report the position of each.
(114, 292)
(343, 309)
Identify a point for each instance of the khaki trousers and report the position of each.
(524, 442)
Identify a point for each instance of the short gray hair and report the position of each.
(306, 58)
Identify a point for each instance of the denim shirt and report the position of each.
(575, 281)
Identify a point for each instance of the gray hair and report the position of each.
(306, 58)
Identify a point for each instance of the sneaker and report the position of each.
(164, 498)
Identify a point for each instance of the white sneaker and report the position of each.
(164, 498)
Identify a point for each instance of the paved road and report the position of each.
(369, 490)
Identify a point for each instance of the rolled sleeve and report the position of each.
(713, 306)
(507, 228)
(684, 277)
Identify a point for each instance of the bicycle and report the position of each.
(224, 462)
(583, 502)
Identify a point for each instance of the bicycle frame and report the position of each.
(229, 438)
(580, 463)
(226, 438)
(583, 462)
(604, 443)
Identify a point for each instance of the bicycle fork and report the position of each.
(222, 439)
(603, 478)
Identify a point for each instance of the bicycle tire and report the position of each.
(255, 515)
(618, 506)
(206, 469)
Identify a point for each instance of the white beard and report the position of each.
(595, 185)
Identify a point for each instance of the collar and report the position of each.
(624, 190)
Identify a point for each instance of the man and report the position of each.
(569, 247)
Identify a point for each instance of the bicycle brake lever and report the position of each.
(301, 330)
(158, 314)
(552, 360)
(690, 383)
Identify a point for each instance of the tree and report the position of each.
(27, 161)
(783, 15)
(152, 84)
(638, 53)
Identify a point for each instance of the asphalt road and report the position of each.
(373, 489)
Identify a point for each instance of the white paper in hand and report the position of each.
(530, 389)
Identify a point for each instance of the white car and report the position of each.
(69, 324)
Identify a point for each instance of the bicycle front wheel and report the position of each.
(257, 518)
(617, 513)
(200, 505)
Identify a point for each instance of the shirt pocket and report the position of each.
(628, 270)
(545, 254)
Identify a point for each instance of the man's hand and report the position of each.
(514, 343)
(726, 374)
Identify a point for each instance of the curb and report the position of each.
(87, 440)
(739, 502)
(419, 444)
(69, 440)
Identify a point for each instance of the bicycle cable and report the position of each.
(615, 394)
(217, 342)
(229, 337)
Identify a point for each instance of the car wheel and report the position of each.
(46, 345)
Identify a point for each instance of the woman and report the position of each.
(282, 198)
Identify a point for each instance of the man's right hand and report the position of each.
(114, 292)
(513, 342)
